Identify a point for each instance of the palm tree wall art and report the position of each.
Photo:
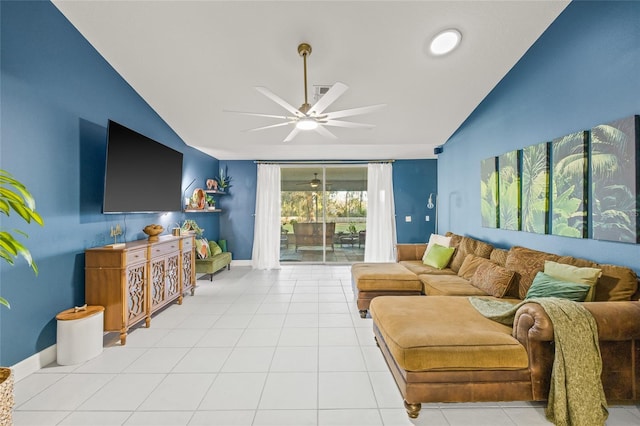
(586, 184)
(569, 185)
(615, 180)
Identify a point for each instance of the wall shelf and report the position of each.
(202, 211)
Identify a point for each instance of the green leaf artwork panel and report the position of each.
(569, 185)
(489, 192)
(535, 188)
(615, 180)
(509, 190)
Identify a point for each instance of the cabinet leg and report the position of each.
(180, 299)
(193, 290)
(123, 338)
(147, 322)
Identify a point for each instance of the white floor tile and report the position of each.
(267, 321)
(178, 392)
(338, 337)
(476, 416)
(202, 360)
(251, 359)
(286, 418)
(38, 418)
(234, 391)
(154, 418)
(157, 360)
(181, 338)
(112, 360)
(299, 336)
(290, 390)
(222, 337)
(290, 359)
(341, 358)
(96, 418)
(259, 337)
(67, 393)
(226, 418)
(31, 385)
(123, 393)
(366, 417)
(345, 390)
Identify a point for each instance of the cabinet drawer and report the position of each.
(187, 244)
(138, 255)
(165, 248)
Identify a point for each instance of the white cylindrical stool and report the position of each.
(79, 336)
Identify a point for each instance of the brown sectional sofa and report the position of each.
(440, 349)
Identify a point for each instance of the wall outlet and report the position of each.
(426, 219)
(407, 218)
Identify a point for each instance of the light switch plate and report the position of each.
(407, 218)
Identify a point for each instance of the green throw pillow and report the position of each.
(438, 256)
(215, 248)
(574, 274)
(546, 286)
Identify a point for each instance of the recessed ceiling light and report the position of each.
(445, 41)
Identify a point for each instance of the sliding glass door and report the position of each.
(324, 211)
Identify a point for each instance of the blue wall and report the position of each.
(413, 181)
(57, 94)
(583, 71)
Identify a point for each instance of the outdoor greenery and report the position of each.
(343, 207)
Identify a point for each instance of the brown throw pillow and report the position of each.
(526, 263)
(467, 246)
(469, 266)
(492, 279)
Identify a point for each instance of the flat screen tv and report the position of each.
(141, 175)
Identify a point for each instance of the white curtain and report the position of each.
(266, 237)
(381, 221)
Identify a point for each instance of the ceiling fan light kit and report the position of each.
(313, 117)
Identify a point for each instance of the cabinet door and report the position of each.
(172, 276)
(135, 285)
(188, 271)
(157, 289)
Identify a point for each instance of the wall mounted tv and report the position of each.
(141, 175)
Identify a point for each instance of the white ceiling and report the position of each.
(190, 60)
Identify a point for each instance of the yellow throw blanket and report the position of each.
(576, 396)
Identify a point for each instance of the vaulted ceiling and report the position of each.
(191, 60)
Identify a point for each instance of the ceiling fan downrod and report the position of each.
(304, 50)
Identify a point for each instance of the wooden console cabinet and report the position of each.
(136, 280)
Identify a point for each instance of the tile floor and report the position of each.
(251, 348)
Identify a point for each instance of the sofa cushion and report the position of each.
(417, 267)
(467, 246)
(448, 285)
(444, 333)
(436, 239)
(526, 263)
(384, 276)
(547, 286)
(580, 275)
(576, 261)
(499, 256)
(616, 283)
(438, 256)
(492, 278)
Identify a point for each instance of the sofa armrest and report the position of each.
(410, 251)
(616, 321)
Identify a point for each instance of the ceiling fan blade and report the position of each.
(292, 135)
(348, 124)
(324, 132)
(268, 127)
(277, 99)
(330, 97)
(354, 111)
(257, 114)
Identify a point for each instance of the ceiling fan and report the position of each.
(312, 117)
(313, 183)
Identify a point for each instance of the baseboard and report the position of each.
(34, 363)
(241, 263)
